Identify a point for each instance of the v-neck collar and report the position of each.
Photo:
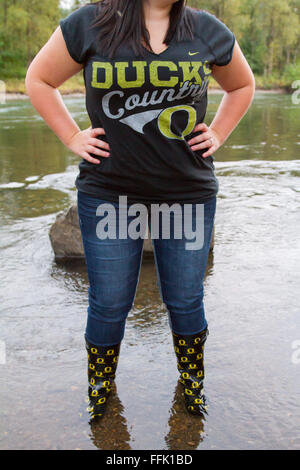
(161, 53)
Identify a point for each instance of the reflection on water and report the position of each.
(118, 437)
(186, 431)
(251, 298)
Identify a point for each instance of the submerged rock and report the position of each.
(65, 236)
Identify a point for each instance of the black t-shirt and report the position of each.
(148, 107)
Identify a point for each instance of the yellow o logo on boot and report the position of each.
(182, 342)
(102, 400)
(192, 366)
(94, 393)
(185, 375)
(94, 350)
(100, 360)
(198, 401)
(191, 351)
(200, 373)
(110, 352)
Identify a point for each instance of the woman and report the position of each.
(146, 65)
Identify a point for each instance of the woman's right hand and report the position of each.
(84, 142)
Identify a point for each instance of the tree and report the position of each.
(267, 30)
(26, 26)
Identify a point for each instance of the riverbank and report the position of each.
(15, 88)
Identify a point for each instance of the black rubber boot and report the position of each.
(102, 365)
(189, 350)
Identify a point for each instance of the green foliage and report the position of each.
(25, 26)
(266, 30)
(291, 73)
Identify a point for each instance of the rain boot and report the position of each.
(102, 365)
(189, 350)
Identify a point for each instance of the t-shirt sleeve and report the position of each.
(76, 32)
(219, 39)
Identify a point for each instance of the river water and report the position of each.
(251, 297)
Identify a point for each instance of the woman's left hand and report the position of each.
(208, 139)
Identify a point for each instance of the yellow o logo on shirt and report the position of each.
(165, 121)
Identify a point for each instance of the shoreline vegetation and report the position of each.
(267, 32)
(15, 88)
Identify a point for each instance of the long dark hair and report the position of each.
(122, 21)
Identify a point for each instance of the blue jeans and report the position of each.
(113, 266)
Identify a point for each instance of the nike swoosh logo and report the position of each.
(193, 53)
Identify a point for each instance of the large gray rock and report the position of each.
(65, 236)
